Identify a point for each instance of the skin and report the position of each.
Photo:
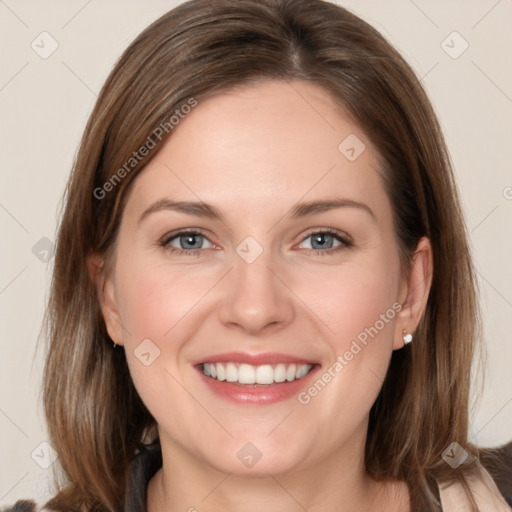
(253, 153)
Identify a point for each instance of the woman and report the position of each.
(263, 292)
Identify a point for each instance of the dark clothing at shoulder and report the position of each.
(22, 506)
(145, 465)
(498, 463)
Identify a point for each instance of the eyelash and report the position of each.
(345, 242)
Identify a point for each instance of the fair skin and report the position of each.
(253, 154)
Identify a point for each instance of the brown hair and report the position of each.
(96, 419)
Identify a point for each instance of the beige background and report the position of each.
(44, 106)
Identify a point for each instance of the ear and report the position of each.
(414, 292)
(106, 294)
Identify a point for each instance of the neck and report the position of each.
(338, 483)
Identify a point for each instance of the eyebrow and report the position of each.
(202, 209)
(312, 207)
(197, 208)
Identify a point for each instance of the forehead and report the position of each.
(263, 144)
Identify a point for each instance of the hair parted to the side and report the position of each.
(95, 417)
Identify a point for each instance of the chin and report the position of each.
(256, 458)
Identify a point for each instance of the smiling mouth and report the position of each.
(246, 374)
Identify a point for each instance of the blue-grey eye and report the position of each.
(187, 241)
(321, 241)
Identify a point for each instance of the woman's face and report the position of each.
(292, 260)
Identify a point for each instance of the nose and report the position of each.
(256, 297)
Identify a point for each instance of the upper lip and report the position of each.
(254, 359)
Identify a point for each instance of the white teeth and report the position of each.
(301, 371)
(231, 372)
(246, 374)
(280, 373)
(291, 372)
(249, 374)
(221, 372)
(264, 374)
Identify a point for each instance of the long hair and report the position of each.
(95, 417)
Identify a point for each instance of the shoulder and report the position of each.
(498, 463)
(144, 466)
(24, 506)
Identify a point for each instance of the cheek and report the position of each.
(369, 295)
(358, 305)
(160, 303)
(360, 310)
(153, 300)
(351, 298)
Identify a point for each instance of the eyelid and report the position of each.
(179, 232)
(343, 237)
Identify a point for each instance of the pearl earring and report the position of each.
(407, 337)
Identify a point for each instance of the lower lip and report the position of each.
(261, 394)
